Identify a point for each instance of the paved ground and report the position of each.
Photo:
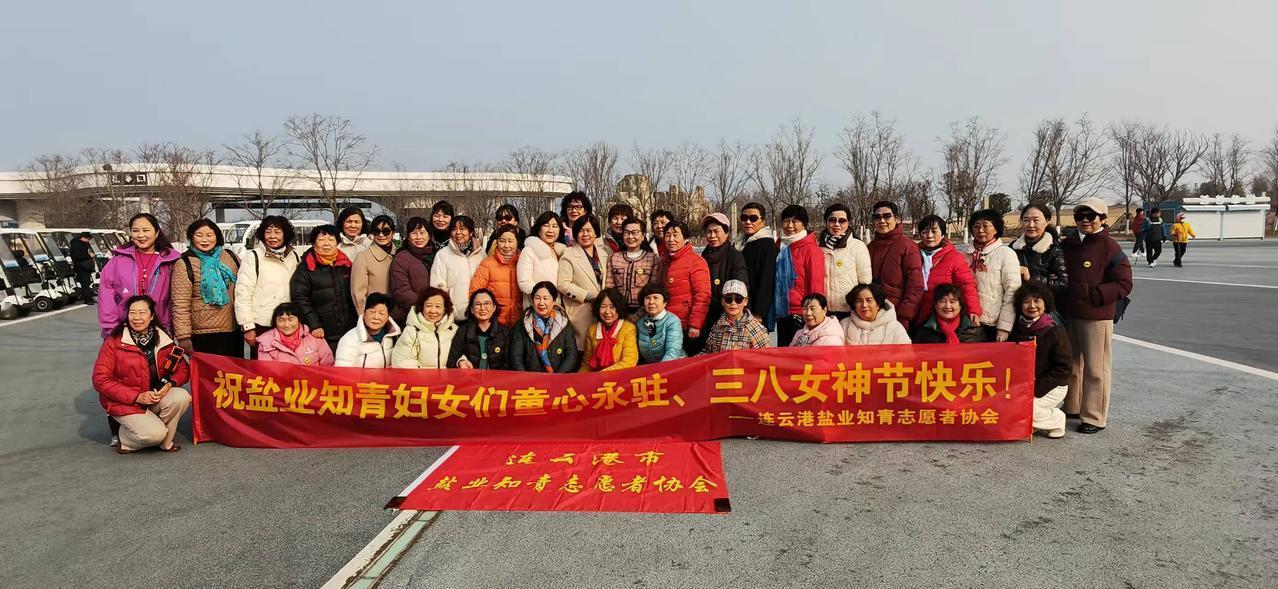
(1179, 491)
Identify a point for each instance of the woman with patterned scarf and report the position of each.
(203, 294)
(544, 341)
(321, 287)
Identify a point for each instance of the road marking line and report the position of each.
(1203, 282)
(1206, 265)
(370, 563)
(41, 315)
(1208, 359)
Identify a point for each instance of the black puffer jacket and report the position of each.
(726, 263)
(930, 333)
(1053, 360)
(1045, 260)
(323, 295)
(466, 343)
(564, 357)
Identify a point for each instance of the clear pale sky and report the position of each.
(431, 82)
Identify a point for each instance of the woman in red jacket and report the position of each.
(800, 272)
(137, 374)
(942, 264)
(687, 279)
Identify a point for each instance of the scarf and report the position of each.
(929, 258)
(834, 242)
(421, 253)
(742, 240)
(326, 261)
(144, 339)
(290, 341)
(465, 249)
(786, 275)
(594, 264)
(276, 254)
(949, 327)
(1036, 326)
(978, 257)
(386, 248)
(503, 258)
(603, 356)
(214, 277)
(541, 338)
(314, 261)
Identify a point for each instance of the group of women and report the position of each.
(572, 294)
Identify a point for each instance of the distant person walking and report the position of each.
(1154, 237)
(1138, 231)
(84, 262)
(1181, 232)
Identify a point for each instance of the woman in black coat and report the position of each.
(1039, 249)
(481, 342)
(949, 322)
(321, 287)
(544, 340)
(725, 263)
(1053, 358)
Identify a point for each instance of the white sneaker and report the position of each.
(115, 441)
(1153, 264)
(1056, 434)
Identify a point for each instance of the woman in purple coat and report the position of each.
(141, 268)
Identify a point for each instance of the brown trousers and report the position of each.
(158, 425)
(1092, 343)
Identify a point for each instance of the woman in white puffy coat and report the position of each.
(262, 282)
(370, 342)
(847, 259)
(455, 265)
(997, 271)
(428, 336)
(873, 319)
(539, 261)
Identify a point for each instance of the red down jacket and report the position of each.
(949, 267)
(120, 373)
(688, 280)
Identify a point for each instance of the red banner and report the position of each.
(653, 477)
(975, 392)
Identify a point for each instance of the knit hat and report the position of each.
(735, 287)
(1094, 204)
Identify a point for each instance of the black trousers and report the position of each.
(1140, 243)
(229, 344)
(85, 282)
(786, 328)
(1179, 248)
(1153, 249)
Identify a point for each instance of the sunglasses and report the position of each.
(384, 231)
(750, 218)
(733, 299)
(506, 217)
(837, 221)
(1085, 216)
(881, 216)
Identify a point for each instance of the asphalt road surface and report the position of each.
(1179, 491)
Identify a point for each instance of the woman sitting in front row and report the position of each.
(610, 342)
(544, 341)
(369, 344)
(819, 327)
(291, 342)
(137, 375)
(482, 342)
(950, 321)
(428, 337)
(1053, 360)
(873, 319)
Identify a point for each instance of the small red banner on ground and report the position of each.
(653, 477)
(972, 392)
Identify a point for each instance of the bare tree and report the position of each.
(1225, 165)
(117, 206)
(972, 154)
(1123, 175)
(783, 170)
(918, 197)
(263, 175)
(594, 170)
(1066, 163)
(469, 195)
(875, 156)
(536, 165)
(180, 184)
(730, 177)
(329, 146)
(1269, 167)
(56, 179)
(691, 165)
(1163, 158)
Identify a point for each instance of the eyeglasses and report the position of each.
(734, 299)
(384, 231)
(881, 216)
(837, 221)
(576, 207)
(750, 218)
(1088, 216)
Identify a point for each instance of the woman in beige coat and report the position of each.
(583, 272)
(371, 268)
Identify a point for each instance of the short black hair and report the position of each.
(546, 284)
(444, 206)
(283, 309)
(931, 220)
(413, 224)
(504, 229)
(1042, 208)
(654, 288)
(578, 196)
(896, 212)
(350, 211)
(470, 302)
(799, 212)
(124, 319)
(545, 218)
(614, 296)
(584, 220)
(278, 222)
(875, 290)
(193, 227)
(763, 211)
(835, 207)
(660, 213)
(380, 220)
(379, 298)
(464, 221)
(682, 227)
(328, 229)
(620, 208)
(994, 217)
(507, 208)
(946, 290)
(1034, 288)
(815, 296)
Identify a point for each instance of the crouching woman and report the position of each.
(137, 375)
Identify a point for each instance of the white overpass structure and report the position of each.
(21, 195)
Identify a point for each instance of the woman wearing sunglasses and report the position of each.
(738, 329)
(847, 260)
(506, 215)
(1099, 277)
(370, 272)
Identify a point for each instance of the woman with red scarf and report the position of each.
(321, 287)
(291, 342)
(611, 342)
(950, 321)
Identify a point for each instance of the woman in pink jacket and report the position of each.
(819, 327)
(143, 267)
(291, 342)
